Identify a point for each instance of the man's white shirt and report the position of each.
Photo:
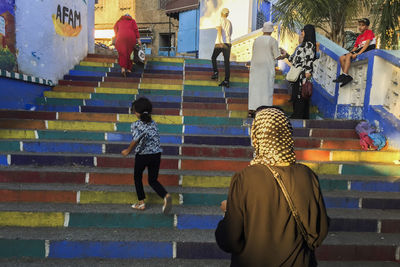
(226, 32)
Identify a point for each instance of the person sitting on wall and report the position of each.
(223, 44)
(365, 42)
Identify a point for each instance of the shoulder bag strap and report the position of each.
(291, 204)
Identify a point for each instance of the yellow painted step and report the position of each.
(32, 219)
(239, 79)
(366, 156)
(70, 95)
(201, 83)
(162, 119)
(81, 126)
(17, 134)
(323, 168)
(96, 64)
(238, 114)
(206, 181)
(90, 197)
(125, 91)
(161, 86)
(166, 59)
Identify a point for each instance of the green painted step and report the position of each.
(198, 61)
(218, 121)
(203, 88)
(59, 101)
(22, 248)
(224, 182)
(163, 128)
(10, 146)
(71, 135)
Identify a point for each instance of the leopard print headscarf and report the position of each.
(271, 136)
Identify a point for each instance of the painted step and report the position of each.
(80, 194)
(150, 67)
(161, 86)
(162, 76)
(180, 220)
(166, 101)
(125, 84)
(130, 79)
(172, 72)
(93, 55)
(327, 182)
(116, 73)
(205, 76)
(161, 63)
(123, 110)
(209, 69)
(97, 64)
(161, 81)
(197, 245)
(87, 73)
(91, 69)
(83, 78)
(33, 175)
(100, 59)
(84, 161)
(215, 83)
(78, 83)
(164, 59)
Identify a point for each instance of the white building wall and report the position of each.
(210, 14)
(46, 47)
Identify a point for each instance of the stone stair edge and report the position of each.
(222, 174)
(179, 157)
(11, 262)
(177, 190)
(362, 214)
(174, 235)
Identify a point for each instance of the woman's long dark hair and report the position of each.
(144, 107)
(309, 36)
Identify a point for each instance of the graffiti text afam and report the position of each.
(65, 14)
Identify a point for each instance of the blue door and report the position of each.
(188, 34)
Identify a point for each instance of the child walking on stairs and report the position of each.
(146, 142)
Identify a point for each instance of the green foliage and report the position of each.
(386, 22)
(7, 59)
(328, 15)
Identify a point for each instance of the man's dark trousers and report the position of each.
(226, 51)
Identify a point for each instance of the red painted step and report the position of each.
(78, 83)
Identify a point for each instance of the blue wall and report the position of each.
(16, 94)
(188, 35)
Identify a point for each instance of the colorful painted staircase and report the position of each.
(65, 188)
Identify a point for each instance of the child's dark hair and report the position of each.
(144, 107)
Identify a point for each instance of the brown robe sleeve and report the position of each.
(230, 231)
(317, 225)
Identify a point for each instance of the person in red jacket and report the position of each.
(366, 41)
(127, 34)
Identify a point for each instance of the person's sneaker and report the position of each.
(339, 79)
(346, 80)
(224, 83)
(214, 76)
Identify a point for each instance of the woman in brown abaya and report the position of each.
(258, 228)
